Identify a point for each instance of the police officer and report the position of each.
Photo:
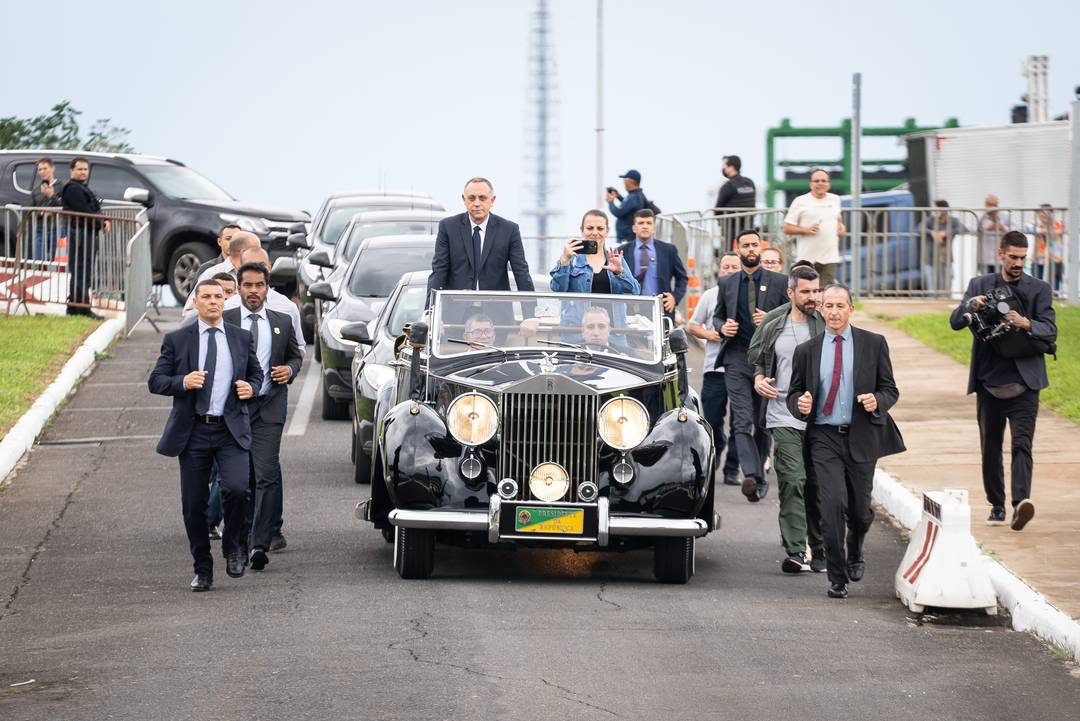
(1007, 388)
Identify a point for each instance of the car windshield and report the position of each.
(182, 183)
(378, 270)
(337, 221)
(618, 325)
(361, 232)
(409, 307)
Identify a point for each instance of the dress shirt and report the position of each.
(262, 350)
(223, 369)
(483, 236)
(845, 395)
(280, 303)
(650, 285)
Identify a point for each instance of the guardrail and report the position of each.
(905, 252)
(54, 261)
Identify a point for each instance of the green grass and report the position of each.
(1063, 395)
(33, 349)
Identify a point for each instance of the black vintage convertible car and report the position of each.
(557, 420)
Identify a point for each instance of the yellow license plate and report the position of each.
(561, 521)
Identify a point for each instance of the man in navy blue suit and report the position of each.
(473, 249)
(656, 264)
(211, 369)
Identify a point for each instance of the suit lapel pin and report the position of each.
(277, 331)
(762, 289)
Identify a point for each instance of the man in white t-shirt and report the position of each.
(815, 220)
(714, 397)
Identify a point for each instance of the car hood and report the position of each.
(258, 211)
(544, 376)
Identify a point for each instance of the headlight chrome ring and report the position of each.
(623, 423)
(472, 419)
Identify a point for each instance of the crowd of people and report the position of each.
(785, 376)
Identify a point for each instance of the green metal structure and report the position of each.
(841, 183)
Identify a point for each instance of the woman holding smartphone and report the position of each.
(598, 271)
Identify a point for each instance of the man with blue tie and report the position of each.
(211, 370)
(842, 385)
(278, 351)
(655, 264)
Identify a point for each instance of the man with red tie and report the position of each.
(842, 385)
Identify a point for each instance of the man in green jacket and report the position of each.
(770, 355)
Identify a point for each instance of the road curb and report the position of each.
(1029, 609)
(22, 435)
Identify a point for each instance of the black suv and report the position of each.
(186, 210)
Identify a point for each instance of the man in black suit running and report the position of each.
(742, 301)
(842, 386)
(211, 370)
(278, 351)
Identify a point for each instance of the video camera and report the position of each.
(988, 320)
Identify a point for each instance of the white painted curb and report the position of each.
(22, 435)
(1029, 609)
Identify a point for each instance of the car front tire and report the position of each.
(333, 410)
(414, 552)
(673, 559)
(183, 265)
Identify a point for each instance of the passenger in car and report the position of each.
(479, 331)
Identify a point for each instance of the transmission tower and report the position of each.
(541, 140)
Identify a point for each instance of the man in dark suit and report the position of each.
(211, 370)
(656, 264)
(742, 301)
(473, 249)
(278, 351)
(1007, 389)
(842, 386)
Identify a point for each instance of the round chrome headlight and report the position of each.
(623, 423)
(472, 419)
(549, 482)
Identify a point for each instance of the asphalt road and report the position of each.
(96, 621)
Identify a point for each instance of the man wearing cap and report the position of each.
(624, 208)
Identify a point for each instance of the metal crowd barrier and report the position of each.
(55, 261)
(912, 252)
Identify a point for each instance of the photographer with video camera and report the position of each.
(1013, 325)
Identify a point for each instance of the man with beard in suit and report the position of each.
(278, 351)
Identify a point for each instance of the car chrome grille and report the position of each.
(539, 428)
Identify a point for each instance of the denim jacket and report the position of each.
(576, 277)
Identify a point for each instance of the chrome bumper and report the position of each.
(610, 525)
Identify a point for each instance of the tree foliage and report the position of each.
(59, 130)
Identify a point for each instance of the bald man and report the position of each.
(241, 240)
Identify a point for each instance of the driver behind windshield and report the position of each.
(479, 331)
(596, 330)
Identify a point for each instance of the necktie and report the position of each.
(254, 329)
(202, 398)
(476, 250)
(642, 264)
(837, 369)
(751, 295)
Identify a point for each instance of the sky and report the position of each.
(283, 102)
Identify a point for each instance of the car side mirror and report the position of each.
(678, 341)
(322, 291)
(320, 258)
(298, 228)
(298, 241)
(137, 195)
(357, 333)
(283, 272)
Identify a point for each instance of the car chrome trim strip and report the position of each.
(639, 526)
(448, 520)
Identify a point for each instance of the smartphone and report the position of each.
(588, 247)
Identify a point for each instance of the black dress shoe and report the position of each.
(731, 480)
(259, 559)
(817, 563)
(277, 542)
(749, 489)
(235, 564)
(762, 489)
(201, 583)
(855, 570)
(837, 590)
